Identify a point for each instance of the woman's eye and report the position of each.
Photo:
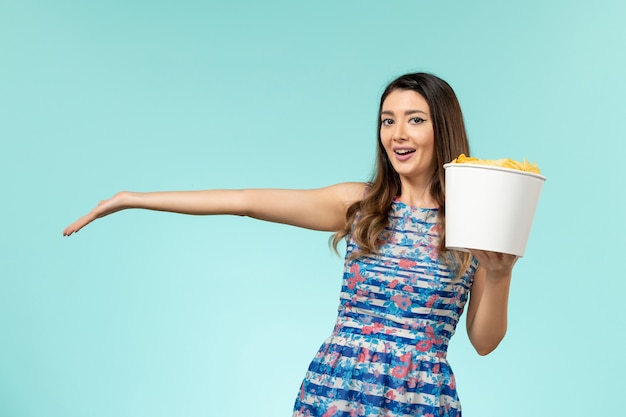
(417, 120)
(386, 122)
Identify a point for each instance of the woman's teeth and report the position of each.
(404, 151)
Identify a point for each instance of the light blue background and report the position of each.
(151, 314)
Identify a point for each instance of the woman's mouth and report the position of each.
(402, 154)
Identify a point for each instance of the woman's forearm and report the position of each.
(188, 202)
(489, 323)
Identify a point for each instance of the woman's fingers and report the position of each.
(494, 260)
(78, 224)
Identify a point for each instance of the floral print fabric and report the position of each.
(398, 309)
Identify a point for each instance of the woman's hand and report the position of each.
(496, 264)
(116, 203)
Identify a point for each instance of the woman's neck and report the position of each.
(416, 192)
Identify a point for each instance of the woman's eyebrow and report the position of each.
(406, 113)
(410, 112)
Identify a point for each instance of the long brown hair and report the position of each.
(370, 215)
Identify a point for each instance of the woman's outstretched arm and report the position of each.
(488, 306)
(318, 209)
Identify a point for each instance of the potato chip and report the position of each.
(503, 163)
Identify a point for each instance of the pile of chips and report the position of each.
(502, 163)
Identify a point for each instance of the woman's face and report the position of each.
(407, 134)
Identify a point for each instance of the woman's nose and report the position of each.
(399, 133)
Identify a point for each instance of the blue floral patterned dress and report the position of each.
(387, 354)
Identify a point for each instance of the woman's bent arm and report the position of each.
(318, 209)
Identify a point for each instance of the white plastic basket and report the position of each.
(490, 208)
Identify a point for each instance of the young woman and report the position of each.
(403, 292)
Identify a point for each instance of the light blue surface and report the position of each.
(147, 314)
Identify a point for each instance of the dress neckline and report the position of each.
(397, 201)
